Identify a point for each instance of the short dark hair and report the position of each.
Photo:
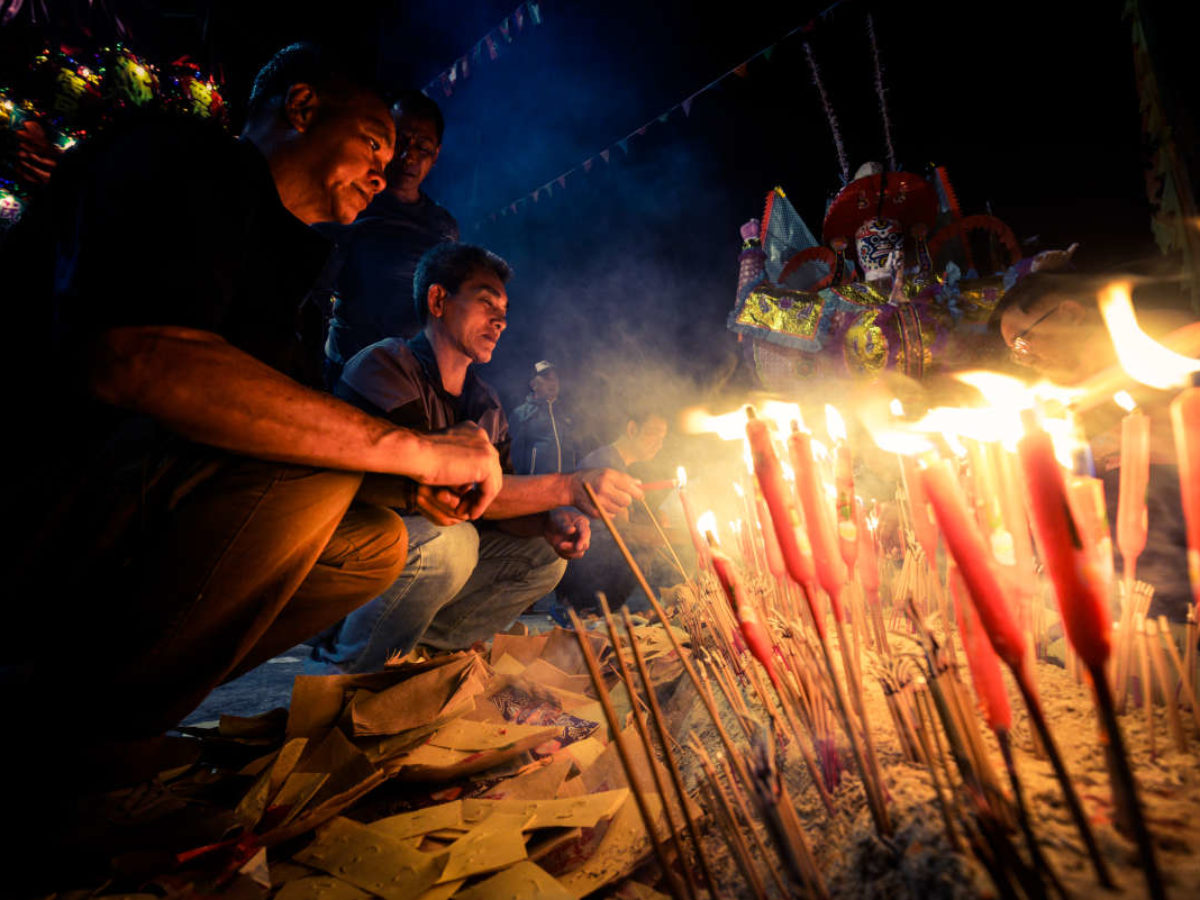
(329, 73)
(419, 106)
(1028, 294)
(450, 264)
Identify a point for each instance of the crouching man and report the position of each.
(461, 583)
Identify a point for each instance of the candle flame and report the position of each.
(707, 523)
(1125, 400)
(834, 424)
(979, 424)
(820, 451)
(737, 489)
(904, 443)
(789, 473)
(955, 445)
(1140, 355)
(782, 414)
(1001, 391)
(681, 476)
(728, 427)
(896, 407)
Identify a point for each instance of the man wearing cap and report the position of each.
(542, 436)
(461, 583)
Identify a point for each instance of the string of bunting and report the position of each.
(460, 70)
(684, 105)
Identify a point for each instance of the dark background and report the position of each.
(625, 278)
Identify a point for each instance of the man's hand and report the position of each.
(568, 532)
(442, 505)
(463, 462)
(614, 490)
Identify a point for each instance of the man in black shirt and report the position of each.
(185, 503)
(461, 583)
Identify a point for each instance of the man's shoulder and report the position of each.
(605, 457)
(526, 411)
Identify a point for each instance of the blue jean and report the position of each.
(460, 585)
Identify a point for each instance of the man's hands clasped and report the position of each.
(459, 476)
(568, 532)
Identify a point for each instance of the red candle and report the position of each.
(1185, 423)
(1135, 475)
(831, 571)
(770, 542)
(843, 480)
(755, 634)
(869, 570)
(648, 486)
(783, 515)
(1078, 582)
(1086, 495)
(918, 507)
(971, 554)
(981, 659)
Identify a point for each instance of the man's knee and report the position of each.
(448, 554)
(381, 540)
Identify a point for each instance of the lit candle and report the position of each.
(847, 530)
(758, 641)
(971, 554)
(868, 571)
(783, 515)
(1071, 563)
(830, 570)
(690, 518)
(1185, 423)
(981, 659)
(1135, 475)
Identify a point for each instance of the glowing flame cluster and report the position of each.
(1140, 355)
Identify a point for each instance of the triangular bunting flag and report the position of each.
(766, 54)
(548, 187)
(535, 12)
(513, 207)
(534, 195)
(604, 154)
(505, 32)
(519, 16)
(491, 45)
(663, 118)
(587, 164)
(445, 80)
(623, 143)
(477, 52)
(641, 131)
(453, 73)
(687, 105)
(740, 71)
(562, 181)
(464, 67)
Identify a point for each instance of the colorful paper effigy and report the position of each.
(849, 306)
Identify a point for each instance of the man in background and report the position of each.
(543, 438)
(378, 254)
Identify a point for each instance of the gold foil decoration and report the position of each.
(801, 318)
(866, 345)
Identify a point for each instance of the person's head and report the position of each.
(1051, 322)
(642, 436)
(544, 383)
(325, 131)
(459, 293)
(419, 130)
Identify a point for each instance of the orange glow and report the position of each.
(1125, 400)
(834, 424)
(1140, 355)
(707, 523)
(681, 476)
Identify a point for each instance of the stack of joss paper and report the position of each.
(457, 776)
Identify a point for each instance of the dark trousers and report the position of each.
(213, 565)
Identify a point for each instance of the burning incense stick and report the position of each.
(729, 823)
(614, 724)
(660, 728)
(648, 746)
(792, 845)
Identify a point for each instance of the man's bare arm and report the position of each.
(205, 389)
(521, 495)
